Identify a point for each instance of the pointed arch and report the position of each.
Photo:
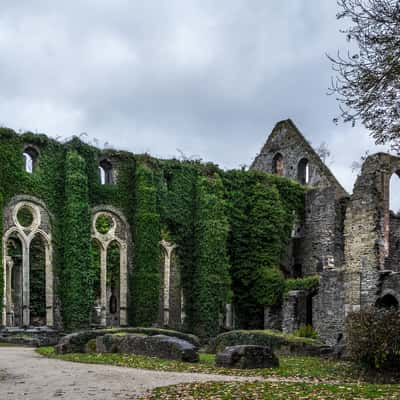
(38, 229)
(278, 164)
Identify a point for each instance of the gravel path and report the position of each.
(25, 375)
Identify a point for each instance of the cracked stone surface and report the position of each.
(25, 374)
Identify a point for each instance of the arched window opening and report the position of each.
(113, 282)
(96, 260)
(113, 304)
(15, 284)
(277, 164)
(303, 171)
(394, 193)
(388, 301)
(31, 156)
(106, 172)
(37, 282)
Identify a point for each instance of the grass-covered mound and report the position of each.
(274, 391)
(82, 341)
(274, 339)
(154, 331)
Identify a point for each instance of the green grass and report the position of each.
(272, 391)
(326, 379)
(290, 367)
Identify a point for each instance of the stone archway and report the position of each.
(110, 232)
(388, 300)
(25, 222)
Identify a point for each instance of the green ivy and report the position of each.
(306, 283)
(78, 275)
(260, 223)
(146, 275)
(37, 280)
(230, 228)
(1, 255)
(211, 286)
(103, 224)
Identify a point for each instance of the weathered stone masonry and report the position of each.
(351, 242)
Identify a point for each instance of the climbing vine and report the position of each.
(261, 223)
(78, 275)
(146, 276)
(211, 286)
(230, 229)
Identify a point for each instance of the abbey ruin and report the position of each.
(106, 238)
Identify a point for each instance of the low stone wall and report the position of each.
(30, 337)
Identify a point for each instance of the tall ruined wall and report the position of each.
(392, 262)
(367, 230)
(322, 242)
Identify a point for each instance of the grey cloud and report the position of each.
(210, 78)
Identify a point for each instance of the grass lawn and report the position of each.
(325, 379)
(272, 391)
(310, 368)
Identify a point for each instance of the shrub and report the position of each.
(373, 338)
(306, 331)
(306, 283)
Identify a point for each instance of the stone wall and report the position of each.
(294, 310)
(389, 284)
(328, 306)
(286, 140)
(273, 317)
(392, 262)
(322, 243)
(367, 231)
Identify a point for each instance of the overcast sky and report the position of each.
(210, 78)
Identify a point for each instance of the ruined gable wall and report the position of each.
(287, 140)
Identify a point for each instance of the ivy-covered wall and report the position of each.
(230, 228)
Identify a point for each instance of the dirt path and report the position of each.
(25, 375)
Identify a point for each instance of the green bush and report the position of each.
(373, 338)
(306, 331)
(306, 283)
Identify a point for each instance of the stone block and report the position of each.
(160, 346)
(247, 357)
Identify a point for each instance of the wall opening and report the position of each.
(387, 301)
(14, 274)
(106, 172)
(394, 193)
(96, 259)
(277, 164)
(31, 156)
(297, 271)
(113, 283)
(37, 282)
(303, 171)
